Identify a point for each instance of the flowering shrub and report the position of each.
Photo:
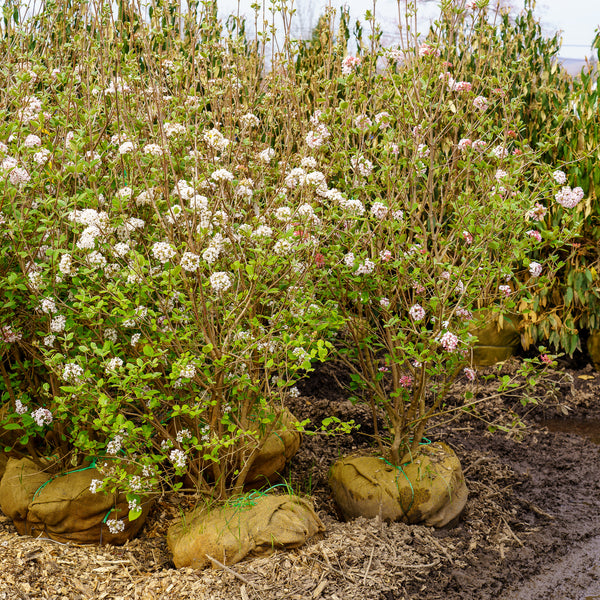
(181, 231)
(439, 212)
(560, 119)
(166, 260)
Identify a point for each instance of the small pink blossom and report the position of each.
(560, 177)
(535, 269)
(469, 373)
(505, 289)
(385, 256)
(545, 359)
(467, 237)
(406, 382)
(350, 64)
(462, 86)
(417, 312)
(449, 341)
(569, 198)
(427, 50)
(537, 213)
(536, 235)
(481, 103)
(464, 143)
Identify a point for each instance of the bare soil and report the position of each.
(531, 527)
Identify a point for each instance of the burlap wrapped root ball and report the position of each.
(253, 526)
(431, 489)
(593, 348)
(279, 447)
(497, 340)
(62, 507)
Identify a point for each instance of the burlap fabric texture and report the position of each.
(62, 507)
(253, 525)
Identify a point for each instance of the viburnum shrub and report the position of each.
(438, 212)
(558, 116)
(166, 257)
(184, 231)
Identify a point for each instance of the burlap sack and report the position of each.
(431, 489)
(233, 532)
(593, 348)
(277, 450)
(62, 507)
(498, 340)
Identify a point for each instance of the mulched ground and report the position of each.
(533, 509)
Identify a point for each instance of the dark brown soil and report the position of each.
(531, 527)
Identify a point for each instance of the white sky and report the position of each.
(577, 19)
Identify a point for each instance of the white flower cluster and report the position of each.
(57, 325)
(188, 371)
(560, 177)
(249, 120)
(365, 268)
(183, 435)
(42, 416)
(29, 110)
(282, 248)
(178, 458)
(145, 197)
(113, 364)
(115, 526)
(41, 157)
(352, 205)
(72, 372)
(190, 262)
(16, 175)
(96, 485)
(220, 282)
(163, 251)
(48, 305)
(117, 85)
(126, 148)
(361, 165)
(174, 129)
(266, 155)
(417, 313)
(535, 269)
(211, 254)
(114, 445)
(96, 260)
(32, 141)
(216, 140)
(222, 175)
(379, 210)
(317, 137)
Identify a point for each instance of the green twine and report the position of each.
(92, 465)
(249, 500)
(401, 467)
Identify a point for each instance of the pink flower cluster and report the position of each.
(449, 341)
(350, 64)
(417, 313)
(469, 373)
(427, 50)
(536, 235)
(537, 213)
(569, 198)
(406, 382)
(8, 335)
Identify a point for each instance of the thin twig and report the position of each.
(229, 570)
(368, 566)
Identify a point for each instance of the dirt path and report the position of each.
(531, 528)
